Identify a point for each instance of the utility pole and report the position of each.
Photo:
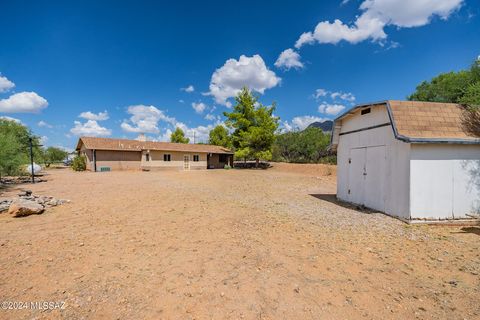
(31, 159)
(193, 136)
(30, 140)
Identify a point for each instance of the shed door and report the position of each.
(375, 178)
(366, 177)
(356, 177)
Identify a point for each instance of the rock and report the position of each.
(4, 205)
(25, 193)
(22, 207)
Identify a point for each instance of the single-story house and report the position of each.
(413, 160)
(105, 154)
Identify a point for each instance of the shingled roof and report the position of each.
(420, 122)
(136, 145)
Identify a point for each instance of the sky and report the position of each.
(121, 68)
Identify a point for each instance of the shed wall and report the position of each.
(445, 181)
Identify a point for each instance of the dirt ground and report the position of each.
(229, 244)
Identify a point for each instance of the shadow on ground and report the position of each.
(332, 198)
(474, 230)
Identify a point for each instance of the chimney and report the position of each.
(141, 137)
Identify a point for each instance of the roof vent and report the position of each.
(365, 111)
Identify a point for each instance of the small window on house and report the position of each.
(196, 158)
(147, 157)
(365, 111)
(166, 157)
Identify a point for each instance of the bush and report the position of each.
(227, 167)
(79, 163)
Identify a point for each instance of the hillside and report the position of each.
(326, 126)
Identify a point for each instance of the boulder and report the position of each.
(21, 207)
(4, 206)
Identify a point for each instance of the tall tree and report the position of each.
(178, 136)
(254, 127)
(219, 136)
(14, 147)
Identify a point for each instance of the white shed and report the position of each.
(412, 160)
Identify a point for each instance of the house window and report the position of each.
(167, 157)
(147, 157)
(196, 158)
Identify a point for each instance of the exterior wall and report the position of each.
(117, 160)
(386, 162)
(88, 156)
(445, 181)
(177, 162)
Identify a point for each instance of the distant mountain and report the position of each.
(326, 125)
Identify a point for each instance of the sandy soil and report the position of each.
(229, 244)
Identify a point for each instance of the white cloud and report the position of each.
(288, 59)
(305, 38)
(11, 119)
(89, 128)
(42, 123)
(330, 109)
(23, 102)
(5, 84)
(211, 117)
(43, 140)
(320, 93)
(334, 95)
(199, 107)
(188, 89)
(345, 96)
(94, 116)
(301, 122)
(376, 15)
(229, 79)
(145, 119)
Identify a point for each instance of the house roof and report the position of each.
(419, 122)
(135, 145)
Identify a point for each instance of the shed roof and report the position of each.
(136, 145)
(420, 122)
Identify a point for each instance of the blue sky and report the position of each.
(120, 68)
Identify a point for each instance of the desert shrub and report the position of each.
(79, 163)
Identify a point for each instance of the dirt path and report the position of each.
(229, 244)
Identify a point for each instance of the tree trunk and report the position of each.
(256, 163)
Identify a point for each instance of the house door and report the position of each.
(356, 175)
(375, 169)
(186, 162)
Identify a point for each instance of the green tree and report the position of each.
(253, 127)
(457, 87)
(219, 136)
(446, 87)
(309, 145)
(178, 136)
(53, 155)
(14, 147)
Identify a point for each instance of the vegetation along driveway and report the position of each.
(230, 244)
